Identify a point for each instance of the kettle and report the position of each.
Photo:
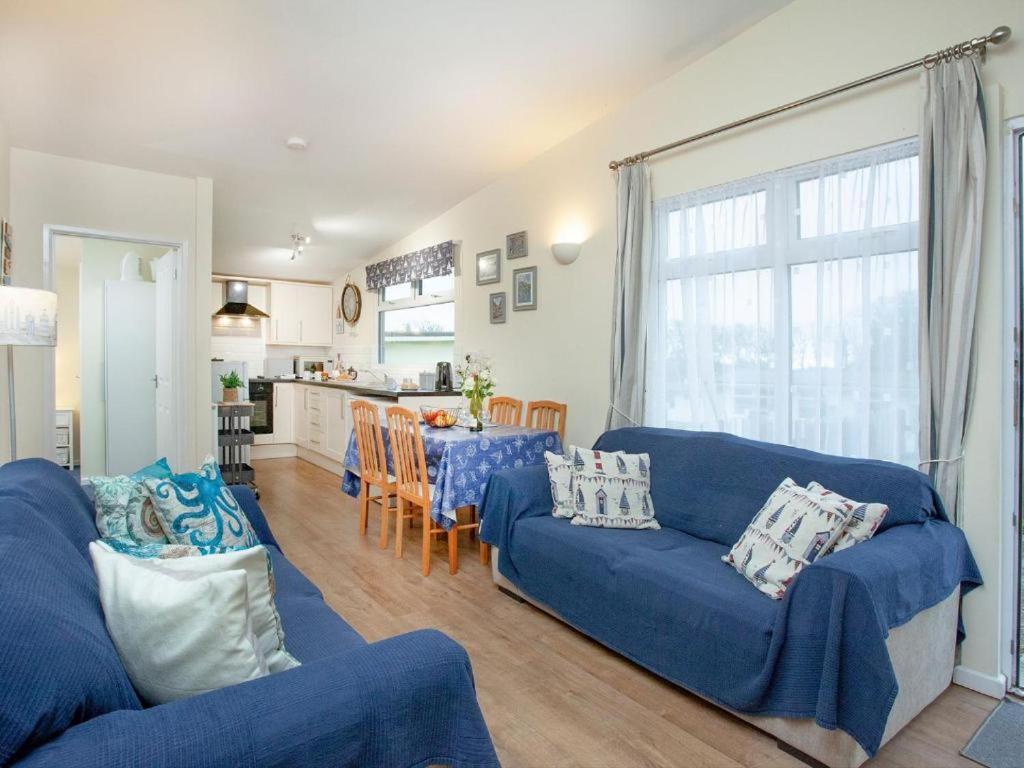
(443, 380)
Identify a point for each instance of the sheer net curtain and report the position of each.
(785, 307)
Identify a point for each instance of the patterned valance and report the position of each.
(434, 261)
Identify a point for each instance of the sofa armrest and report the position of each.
(251, 507)
(405, 701)
(510, 495)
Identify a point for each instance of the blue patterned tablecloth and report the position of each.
(459, 462)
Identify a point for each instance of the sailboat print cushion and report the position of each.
(793, 529)
(197, 509)
(864, 518)
(560, 477)
(611, 489)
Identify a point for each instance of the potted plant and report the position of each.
(477, 384)
(231, 382)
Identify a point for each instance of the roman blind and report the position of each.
(434, 261)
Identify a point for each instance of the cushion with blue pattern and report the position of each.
(123, 507)
(197, 509)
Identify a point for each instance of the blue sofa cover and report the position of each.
(665, 600)
(65, 699)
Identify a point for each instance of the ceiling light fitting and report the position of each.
(299, 242)
(297, 143)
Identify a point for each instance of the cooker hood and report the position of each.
(236, 301)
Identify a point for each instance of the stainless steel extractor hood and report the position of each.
(236, 301)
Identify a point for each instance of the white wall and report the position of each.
(67, 263)
(60, 191)
(561, 351)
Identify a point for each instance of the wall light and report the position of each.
(566, 253)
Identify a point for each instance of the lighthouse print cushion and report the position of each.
(864, 518)
(611, 490)
(793, 529)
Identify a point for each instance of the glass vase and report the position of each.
(476, 411)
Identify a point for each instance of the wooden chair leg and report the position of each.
(385, 519)
(425, 556)
(364, 506)
(399, 527)
(472, 519)
(453, 550)
(485, 553)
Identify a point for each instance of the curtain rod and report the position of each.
(977, 45)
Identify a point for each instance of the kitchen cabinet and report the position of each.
(284, 413)
(300, 422)
(315, 400)
(336, 418)
(301, 313)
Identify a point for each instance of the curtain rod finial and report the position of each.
(999, 35)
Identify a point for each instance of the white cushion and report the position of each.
(793, 529)
(611, 490)
(178, 634)
(255, 562)
(864, 518)
(560, 477)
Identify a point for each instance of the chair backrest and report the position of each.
(547, 414)
(505, 410)
(373, 465)
(407, 452)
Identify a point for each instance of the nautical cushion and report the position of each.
(266, 623)
(864, 518)
(560, 477)
(178, 633)
(793, 529)
(611, 490)
(124, 510)
(196, 508)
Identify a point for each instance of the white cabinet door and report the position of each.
(300, 423)
(315, 321)
(336, 423)
(284, 413)
(285, 303)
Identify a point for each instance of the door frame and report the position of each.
(183, 362)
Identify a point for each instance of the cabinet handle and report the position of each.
(305, 398)
(275, 397)
(277, 330)
(300, 330)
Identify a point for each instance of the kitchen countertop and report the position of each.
(370, 390)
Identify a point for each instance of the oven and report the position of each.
(261, 394)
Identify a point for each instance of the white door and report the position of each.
(337, 435)
(165, 273)
(129, 324)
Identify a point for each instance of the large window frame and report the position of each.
(782, 220)
(421, 296)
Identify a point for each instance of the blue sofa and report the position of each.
(65, 699)
(820, 657)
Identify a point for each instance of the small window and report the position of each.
(443, 285)
(420, 335)
(398, 292)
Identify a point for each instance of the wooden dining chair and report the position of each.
(547, 414)
(373, 468)
(505, 410)
(413, 489)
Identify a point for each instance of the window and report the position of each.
(786, 307)
(417, 323)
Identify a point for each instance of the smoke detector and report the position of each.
(296, 143)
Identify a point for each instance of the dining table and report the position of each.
(460, 461)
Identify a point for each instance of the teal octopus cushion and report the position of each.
(158, 469)
(197, 509)
(124, 511)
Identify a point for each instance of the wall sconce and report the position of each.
(566, 253)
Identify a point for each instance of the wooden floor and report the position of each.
(551, 696)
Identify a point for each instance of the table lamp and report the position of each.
(28, 318)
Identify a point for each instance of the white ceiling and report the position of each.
(409, 106)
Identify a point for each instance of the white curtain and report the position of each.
(630, 303)
(785, 307)
(952, 198)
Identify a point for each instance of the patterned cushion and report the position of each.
(864, 518)
(124, 511)
(611, 490)
(196, 508)
(560, 476)
(793, 529)
(158, 469)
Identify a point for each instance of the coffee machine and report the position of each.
(443, 380)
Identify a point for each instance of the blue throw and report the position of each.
(664, 599)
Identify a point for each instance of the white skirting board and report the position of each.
(990, 685)
(320, 460)
(274, 451)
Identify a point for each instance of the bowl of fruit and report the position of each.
(439, 418)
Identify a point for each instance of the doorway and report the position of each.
(115, 383)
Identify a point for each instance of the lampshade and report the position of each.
(28, 317)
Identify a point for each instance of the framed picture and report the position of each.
(497, 307)
(488, 267)
(515, 245)
(524, 288)
(339, 327)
